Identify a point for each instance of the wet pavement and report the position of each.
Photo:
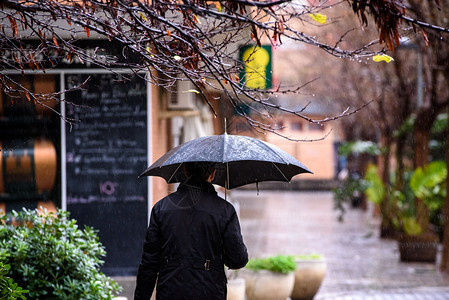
(360, 265)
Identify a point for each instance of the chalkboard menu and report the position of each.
(106, 149)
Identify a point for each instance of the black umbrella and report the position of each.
(240, 160)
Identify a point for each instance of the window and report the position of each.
(296, 125)
(315, 127)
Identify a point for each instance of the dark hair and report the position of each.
(200, 169)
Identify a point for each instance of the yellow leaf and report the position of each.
(197, 20)
(382, 57)
(320, 18)
(149, 52)
(219, 7)
(191, 91)
(142, 16)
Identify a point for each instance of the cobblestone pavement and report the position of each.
(359, 264)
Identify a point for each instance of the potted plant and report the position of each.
(428, 184)
(309, 274)
(270, 278)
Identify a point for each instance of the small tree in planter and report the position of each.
(270, 278)
(52, 258)
(428, 184)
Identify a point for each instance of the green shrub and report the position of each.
(9, 290)
(52, 258)
(313, 256)
(376, 188)
(280, 263)
(429, 184)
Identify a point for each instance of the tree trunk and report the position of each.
(444, 266)
(387, 229)
(421, 153)
(423, 124)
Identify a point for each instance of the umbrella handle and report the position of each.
(227, 177)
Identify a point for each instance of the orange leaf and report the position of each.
(426, 39)
(87, 31)
(281, 27)
(168, 32)
(28, 96)
(13, 26)
(55, 41)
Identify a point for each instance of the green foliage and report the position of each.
(9, 290)
(346, 191)
(280, 263)
(376, 188)
(440, 124)
(313, 256)
(406, 127)
(429, 184)
(52, 258)
(410, 226)
(366, 147)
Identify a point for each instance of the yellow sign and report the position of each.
(257, 71)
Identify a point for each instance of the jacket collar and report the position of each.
(194, 183)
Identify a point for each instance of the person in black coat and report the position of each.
(193, 234)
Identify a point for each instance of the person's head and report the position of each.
(203, 170)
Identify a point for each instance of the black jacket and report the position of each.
(192, 234)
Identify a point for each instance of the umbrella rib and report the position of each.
(174, 172)
(280, 171)
(227, 175)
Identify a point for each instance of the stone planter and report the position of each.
(267, 285)
(308, 277)
(418, 248)
(236, 289)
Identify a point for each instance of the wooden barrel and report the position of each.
(28, 167)
(23, 104)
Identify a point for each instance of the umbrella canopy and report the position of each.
(240, 160)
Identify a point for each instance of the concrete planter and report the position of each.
(236, 289)
(308, 277)
(267, 285)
